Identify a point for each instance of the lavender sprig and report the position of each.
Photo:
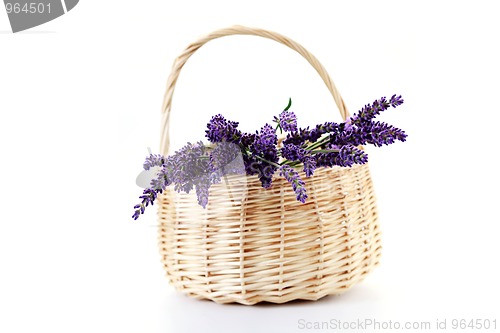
(293, 152)
(368, 112)
(188, 165)
(148, 197)
(350, 155)
(346, 157)
(287, 120)
(202, 186)
(310, 164)
(265, 154)
(374, 133)
(153, 160)
(298, 185)
(223, 154)
(219, 129)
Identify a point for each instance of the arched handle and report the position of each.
(238, 30)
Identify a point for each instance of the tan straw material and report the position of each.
(252, 245)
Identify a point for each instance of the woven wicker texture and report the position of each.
(252, 245)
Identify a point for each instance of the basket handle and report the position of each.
(238, 30)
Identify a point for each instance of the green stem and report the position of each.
(263, 159)
(325, 151)
(318, 143)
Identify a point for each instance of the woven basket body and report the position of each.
(251, 244)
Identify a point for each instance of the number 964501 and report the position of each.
(28, 8)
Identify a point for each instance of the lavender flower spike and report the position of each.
(148, 197)
(349, 155)
(219, 129)
(293, 152)
(265, 148)
(287, 121)
(369, 112)
(153, 160)
(202, 190)
(298, 185)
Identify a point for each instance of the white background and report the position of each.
(80, 102)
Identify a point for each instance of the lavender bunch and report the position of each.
(325, 145)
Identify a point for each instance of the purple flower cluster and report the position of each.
(373, 132)
(220, 129)
(223, 154)
(370, 111)
(224, 160)
(264, 155)
(298, 185)
(304, 135)
(287, 120)
(185, 170)
(331, 143)
(148, 197)
(325, 145)
(347, 156)
(293, 152)
(153, 160)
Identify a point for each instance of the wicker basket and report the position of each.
(268, 246)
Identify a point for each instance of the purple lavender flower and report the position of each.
(304, 135)
(223, 153)
(250, 163)
(188, 165)
(293, 152)
(202, 186)
(265, 172)
(368, 112)
(265, 154)
(348, 124)
(247, 139)
(375, 133)
(326, 159)
(309, 165)
(350, 155)
(293, 178)
(221, 129)
(299, 137)
(266, 138)
(163, 177)
(224, 159)
(287, 121)
(148, 197)
(186, 169)
(319, 130)
(153, 160)
(296, 153)
(385, 134)
(396, 100)
(346, 157)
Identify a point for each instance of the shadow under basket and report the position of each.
(251, 245)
